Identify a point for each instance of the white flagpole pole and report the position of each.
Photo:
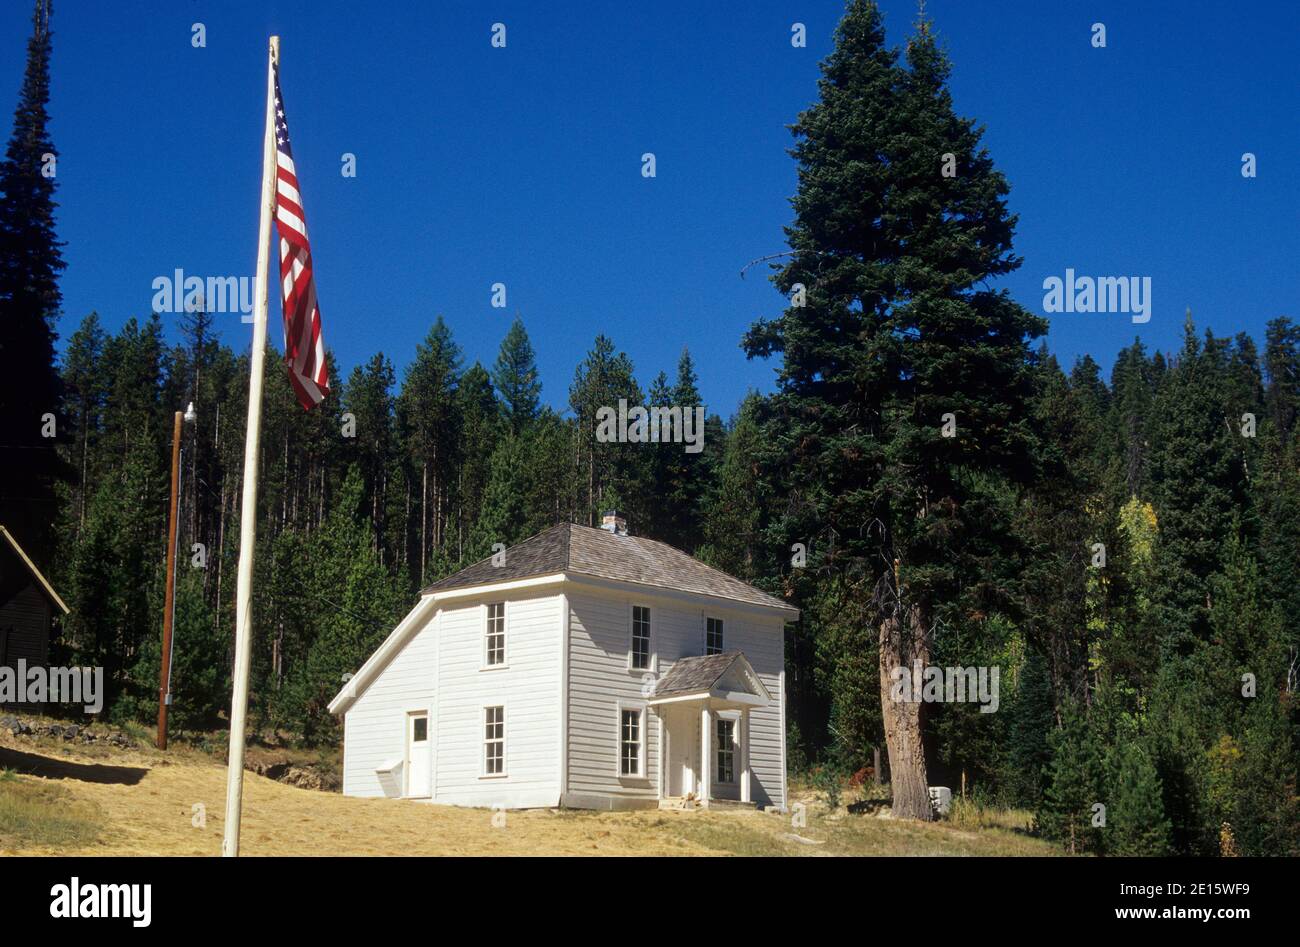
(248, 510)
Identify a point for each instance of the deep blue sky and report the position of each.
(522, 165)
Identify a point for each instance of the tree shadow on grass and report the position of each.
(867, 806)
(33, 764)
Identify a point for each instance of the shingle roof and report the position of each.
(543, 554)
(582, 550)
(692, 675)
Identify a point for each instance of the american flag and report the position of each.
(304, 349)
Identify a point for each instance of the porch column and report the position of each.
(706, 754)
(743, 748)
(663, 740)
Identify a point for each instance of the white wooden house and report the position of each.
(585, 668)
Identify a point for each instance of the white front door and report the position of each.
(417, 755)
(681, 728)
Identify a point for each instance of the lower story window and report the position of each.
(630, 741)
(726, 751)
(494, 741)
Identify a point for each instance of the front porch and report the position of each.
(704, 705)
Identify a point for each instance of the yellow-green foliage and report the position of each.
(1137, 520)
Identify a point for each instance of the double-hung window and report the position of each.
(713, 636)
(494, 646)
(631, 741)
(494, 741)
(640, 658)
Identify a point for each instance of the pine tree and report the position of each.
(613, 475)
(1031, 720)
(360, 603)
(368, 398)
(1133, 386)
(1282, 367)
(660, 462)
(1073, 784)
(515, 377)
(529, 485)
(732, 521)
(899, 332)
(84, 395)
(1136, 815)
(1197, 486)
(687, 473)
(478, 410)
(200, 679)
(30, 263)
(1057, 529)
(427, 411)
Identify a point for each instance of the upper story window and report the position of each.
(640, 638)
(713, 636)
(495, 645)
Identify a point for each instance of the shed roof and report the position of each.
(41, 581)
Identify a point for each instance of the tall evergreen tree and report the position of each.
(480, 426)
(686, 473)
(84, 395)
(732, 522)
(1058, 531)
(899, 337)
(1282, 368)
(515, 377)
(1073, 784)
(368, 398)
(427, 407)
(1136, 816)
(1133, 385)
(1198, 487)
(612, 474)
(1031, 720)
(360, 604)
(31, 260)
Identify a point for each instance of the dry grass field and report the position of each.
(55, 799)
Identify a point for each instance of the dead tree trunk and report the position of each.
(902, 642)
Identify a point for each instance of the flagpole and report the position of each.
(248, 509)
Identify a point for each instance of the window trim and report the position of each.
(722, 634)
(641, 708)
(652, 667)
(505, 636)
(733, 717)
(505, 740)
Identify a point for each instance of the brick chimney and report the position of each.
(614, 522)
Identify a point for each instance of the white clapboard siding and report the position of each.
(528, 686)
(763, 641)
(441, 670)
(374, 727)
(599, 641)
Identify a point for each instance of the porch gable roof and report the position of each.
(727, 675)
